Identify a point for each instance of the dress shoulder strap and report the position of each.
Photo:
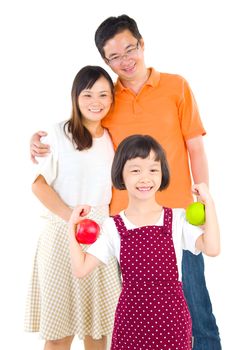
(119, 223)
(168, 220)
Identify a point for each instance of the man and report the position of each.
(163, 106)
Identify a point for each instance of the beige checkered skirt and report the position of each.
(58, 304)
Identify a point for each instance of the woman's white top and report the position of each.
(79, 177)
(184, 237)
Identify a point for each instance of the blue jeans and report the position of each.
(205, 330)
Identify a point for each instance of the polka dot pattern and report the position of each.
(152, 312)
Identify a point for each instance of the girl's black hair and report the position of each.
(138, 146)
(84, 79)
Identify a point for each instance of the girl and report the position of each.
(147, 240)
(76, 172)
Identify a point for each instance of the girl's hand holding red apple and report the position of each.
(77, 215)
(86, 231)
(80, 261)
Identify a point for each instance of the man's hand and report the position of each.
(37, 148)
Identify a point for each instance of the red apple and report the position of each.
(87, 231)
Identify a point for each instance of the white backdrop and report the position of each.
(43, 45)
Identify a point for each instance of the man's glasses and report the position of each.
(130, 52)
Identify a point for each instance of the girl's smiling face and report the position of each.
(142, 177)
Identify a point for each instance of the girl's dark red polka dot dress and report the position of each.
(152, 312)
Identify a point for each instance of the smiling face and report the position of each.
(95, 102)
(142, 177)
(125, 56)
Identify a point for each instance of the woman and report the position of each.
(77, 171)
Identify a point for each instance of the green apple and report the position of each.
(195, 213)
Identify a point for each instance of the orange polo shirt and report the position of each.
(165, 108)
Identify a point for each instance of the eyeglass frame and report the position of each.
(129, 53)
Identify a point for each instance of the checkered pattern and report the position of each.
(58, 304)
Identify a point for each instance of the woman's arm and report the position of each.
(209, 242)
(50, 198)
(82, 263)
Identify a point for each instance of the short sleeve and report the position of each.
(190, 120)
(104, 248)
(189, 237)
(184, 234)
(47, 166)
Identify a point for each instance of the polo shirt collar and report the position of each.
(153, 80)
